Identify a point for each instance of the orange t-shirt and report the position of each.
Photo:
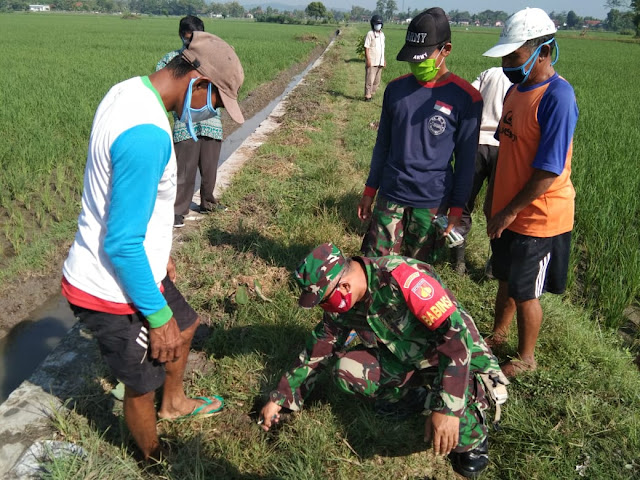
(536, 132)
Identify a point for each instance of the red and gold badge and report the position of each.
(423, 289)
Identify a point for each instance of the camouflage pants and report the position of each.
(377, 373)
(399, 230)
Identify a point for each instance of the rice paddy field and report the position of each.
(55, 71)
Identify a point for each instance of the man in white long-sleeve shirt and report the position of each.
(493, 86)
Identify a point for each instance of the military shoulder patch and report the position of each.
(425, 297)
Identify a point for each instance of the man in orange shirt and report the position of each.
(532, 203)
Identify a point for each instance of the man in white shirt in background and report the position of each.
(373, 57)
(493, 85)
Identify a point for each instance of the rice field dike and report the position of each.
(578, 415)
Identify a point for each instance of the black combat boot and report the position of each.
(472, 463)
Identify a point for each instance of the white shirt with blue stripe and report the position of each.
(122, 246)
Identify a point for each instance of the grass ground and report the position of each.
(578, 413)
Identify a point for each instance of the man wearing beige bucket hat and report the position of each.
(532, 198)
(197, 146)
(118, 276)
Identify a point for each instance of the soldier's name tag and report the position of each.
(425, 297)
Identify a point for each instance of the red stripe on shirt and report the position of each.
(476, 96)
(83, 299)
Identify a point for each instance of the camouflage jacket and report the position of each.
(384, 319)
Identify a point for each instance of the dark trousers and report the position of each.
(203, 155)
(486, 160)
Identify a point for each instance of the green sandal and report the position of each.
(199, 411)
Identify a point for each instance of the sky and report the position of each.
(583, 8)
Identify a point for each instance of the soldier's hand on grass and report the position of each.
(364, 207)
(444, 431)
(269, 415)
(166, 342)
(499, 222)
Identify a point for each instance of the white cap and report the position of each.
(521, 26)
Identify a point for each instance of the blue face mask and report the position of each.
(194, 115)
(521, 73)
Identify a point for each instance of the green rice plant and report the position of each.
(14, 230)
(360, 53)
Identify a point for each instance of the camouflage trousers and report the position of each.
(399, 230)
(377, 373)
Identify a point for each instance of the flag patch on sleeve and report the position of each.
(425, 297)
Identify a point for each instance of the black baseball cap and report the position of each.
(426, 31)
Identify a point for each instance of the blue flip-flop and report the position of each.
(202, 411)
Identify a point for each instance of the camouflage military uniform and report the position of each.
(398, 350)
(400, 230)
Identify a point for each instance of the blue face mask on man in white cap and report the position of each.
(522, 26)
(192, 115)
(521, 73)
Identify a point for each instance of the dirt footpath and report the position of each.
(18, 301)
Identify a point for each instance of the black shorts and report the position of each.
(124, 340)
(531, 265)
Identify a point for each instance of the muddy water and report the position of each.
(29, 342)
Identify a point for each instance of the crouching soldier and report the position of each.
(419, 350)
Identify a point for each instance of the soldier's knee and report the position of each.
(352, 377)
